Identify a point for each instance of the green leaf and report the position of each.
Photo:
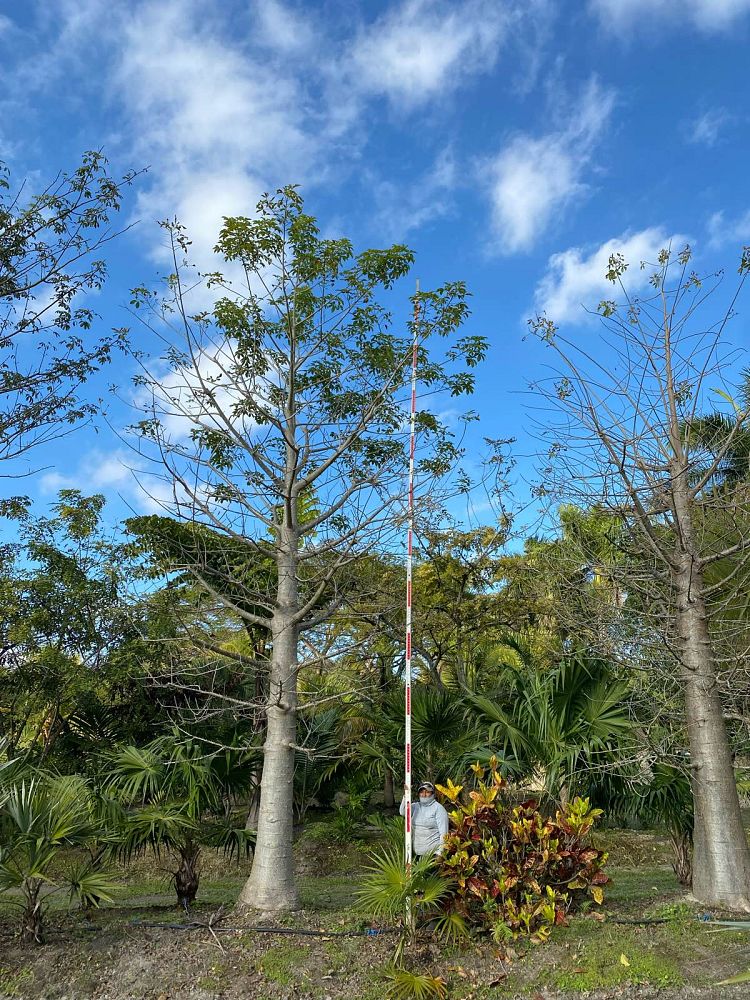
(741, 977)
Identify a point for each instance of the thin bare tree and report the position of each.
(631, 397)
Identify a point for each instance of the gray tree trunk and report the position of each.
(721, 858)
(271, 884)
(251, 822)
(389, 799)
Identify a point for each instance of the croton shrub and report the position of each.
(516, 872)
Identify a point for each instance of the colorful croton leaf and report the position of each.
(517, 873)
(450, 791)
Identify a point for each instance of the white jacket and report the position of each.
(429, 824)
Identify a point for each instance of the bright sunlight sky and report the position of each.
(513, 144)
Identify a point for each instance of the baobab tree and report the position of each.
(632, 442)
(276, 418)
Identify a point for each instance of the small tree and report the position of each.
(631, 441)
(561, 723)
(41, 817)
(73, 644)
(49, 253)
(279, 418)
(178, 798)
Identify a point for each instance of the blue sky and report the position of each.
(513, 144)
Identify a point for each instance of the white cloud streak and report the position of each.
(723, 232)
(402, 207)
(282, 28)
(575, 280)
(709, 16)
(218, 126)
(705, 130)
(420, 48)
(97, 471)
(534, 178)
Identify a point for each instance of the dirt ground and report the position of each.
(118, 954)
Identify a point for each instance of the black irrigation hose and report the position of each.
(374, 932)
(291, 931)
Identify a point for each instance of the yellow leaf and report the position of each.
(450, 791)
(598, 893)
(624, 960)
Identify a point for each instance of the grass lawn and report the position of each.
(114, 955)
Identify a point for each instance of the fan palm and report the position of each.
(725, 435)
(443, 741)
(178, 798)
(558, 722)
(40, 816)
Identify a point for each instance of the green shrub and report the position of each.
(41, 816)
(349, 818)
(516, 873)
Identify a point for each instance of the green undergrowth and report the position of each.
(587, 955)
(634, 889)
(285, 964)
(13, 981)
(590, 955)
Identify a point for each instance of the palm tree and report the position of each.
(443, 741)
(180, 798)
(40, 816)
(558, 722)
(721, 435)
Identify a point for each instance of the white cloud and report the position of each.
(706, 128)
(140, 483)
(97, 471)
(706, 15)
(218, 127)
(402, 207)
(723, 232)
(222, 106)
(282, 28)
(575, 281)
(533, 178)
(422, 48)
(203, 392)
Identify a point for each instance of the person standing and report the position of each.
(429, 822)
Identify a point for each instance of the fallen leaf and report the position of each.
(742, 977)
(624, 960)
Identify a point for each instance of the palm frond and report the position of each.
(405, 985)
(90, 884)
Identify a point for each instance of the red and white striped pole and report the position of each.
(409, 545)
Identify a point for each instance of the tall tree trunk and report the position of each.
(721, 858)
(253, 810)
(389, 799)
(271, 884)
(261, 698)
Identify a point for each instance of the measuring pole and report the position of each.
(409, 544)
